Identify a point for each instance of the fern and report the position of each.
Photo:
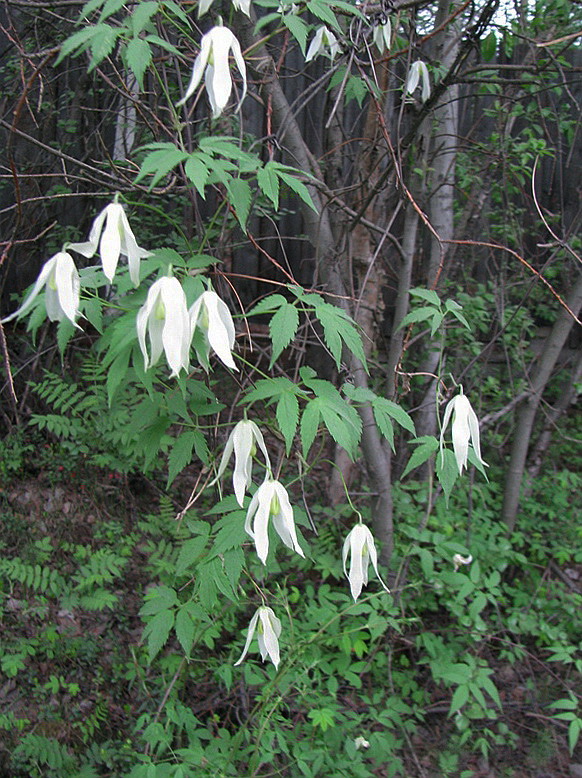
(37, 753)
(38, 578)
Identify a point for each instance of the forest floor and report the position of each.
(73, 673)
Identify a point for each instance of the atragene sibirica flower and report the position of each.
(465, 430)
(242, 441)
(60, 278)
(269, 629)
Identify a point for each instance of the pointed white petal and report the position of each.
(475, 436)
(243, 443)
(316, 45)
(268, 639)
(89, 248)
(198, 70)
(258, 435)
(176, 329)
(413, 78)
(68, 286)
(250, 633)
(283, 521)
(132, 251)
(461, 434)
(110, 244)
(221, 333)
(141, 324)
(218, 78)
(425, 81)
(240, 62)
(257, 521)
(203, 6)
(243, 5)
(44, 275)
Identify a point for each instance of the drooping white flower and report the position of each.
(382, 36)
(242, 441)
(459, 560)
(61, 279)
(361, 742)
(465, 429)
(113, 239)
(269, 629)
(271, 501)
(323, 42)
(164, 316)
(211, 315)
(239, 5)
(359, 546)
(212, 61)
(418, 70)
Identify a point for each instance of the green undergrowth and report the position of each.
(457, 664)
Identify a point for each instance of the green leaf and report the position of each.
(164, 158)
(271, 388)
(102, 45)
(489, 47)
(190, 552)
(426, 446)
(427, 294)
(185, 628)
(240, 196)
(338, 327)
(283, 328)
(322, 10)
(297, 28)
(268, 304)
(142, 15)
(197, 169)
(447, 471)
(79, 40)
(437, 320)
(309, 424)
(288, 417)
(268, 182)
(157, 631)
(388, 408)
(296, 186)
(157, 599)
(139, 56)
(460, 698)
(574, 733)
(418, 315)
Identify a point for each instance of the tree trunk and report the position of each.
(527, 411)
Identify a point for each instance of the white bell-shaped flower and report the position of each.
(164, 316)
(323, 42)
(459, 559)
(465, 430)
(359, 546)
(242, 441)
(61, 279)
(418, 70)
(269, 629)
(111, 232)
(212, 62)
(210, 314)
(271, 501)
(382, 36)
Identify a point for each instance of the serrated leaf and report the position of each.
(111, 7)
(102, 45)
(160, 162)
(460, 698)
(338, 328)
(139, 56)
(185, 629)
(268, 182)
(268, 304)
(418, 315)
(240, 196)
(157, 599)
(157, 632)
(395, 411)
(323, 11)
(197, 170)
(309, 424)
(298, 187)
(288, 418)
(79, 40)
(190, 551)
(427, 294)
(231, 532)
(271, 388)
(342, 431)
(283, 328)
(426, 448)
(297, 28)
(142, 15)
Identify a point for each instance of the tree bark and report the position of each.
(527, 411)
